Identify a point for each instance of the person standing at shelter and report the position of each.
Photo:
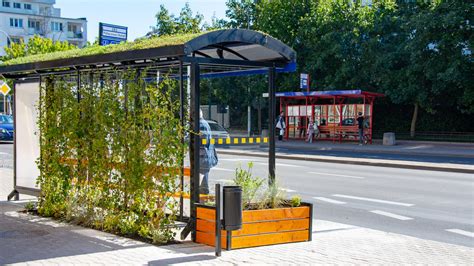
(310, 136)
(280, 125)
(303, 125)
(207, 154)
(360, 122)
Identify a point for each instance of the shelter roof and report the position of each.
(231, 44)
(329, 94)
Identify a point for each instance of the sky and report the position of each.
(137, 15)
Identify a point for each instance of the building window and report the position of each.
(16, 5)
(34, 24)
(56, 26)
(27, 6)
(6, 4)
(71, 28)
(16, 22)
(14, 40)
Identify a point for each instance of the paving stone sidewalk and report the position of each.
(32, 240)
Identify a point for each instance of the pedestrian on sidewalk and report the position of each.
(310, 136)
(360, 122)
(303, 125)
(207, 154)
(280, 125)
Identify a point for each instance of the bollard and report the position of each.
(389, 139)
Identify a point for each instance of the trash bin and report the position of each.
(232, 205)
(389, 138)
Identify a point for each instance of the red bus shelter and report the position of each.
(335, 113)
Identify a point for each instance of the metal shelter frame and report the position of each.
(337, 99)
(210, 53)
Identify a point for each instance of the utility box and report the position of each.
(232, 201)
(389, 139)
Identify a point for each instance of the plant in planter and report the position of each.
(268, 217)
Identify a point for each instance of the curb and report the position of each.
(455, 168)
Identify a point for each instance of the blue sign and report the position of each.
(304, 81)
(112, 34)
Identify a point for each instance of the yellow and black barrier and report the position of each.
(234, 141)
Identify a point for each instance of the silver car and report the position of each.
(217, 131)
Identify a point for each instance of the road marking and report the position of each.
(461, 232)
(287, 190)
(282, 164)
(374, 200)
(222, 169)
(351, 176)
(224, 181)
(238, 160)
(329, 200)
(392, 215)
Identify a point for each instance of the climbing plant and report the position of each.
(111, 151)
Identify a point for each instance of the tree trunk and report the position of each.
(413, 121)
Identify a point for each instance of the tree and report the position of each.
(242, 13)
(35, 45)
(424, 61)
(168, 24)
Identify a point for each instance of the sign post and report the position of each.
(112, 34)
(304, 81)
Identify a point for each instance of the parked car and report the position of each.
(217, 130)
(6, 128)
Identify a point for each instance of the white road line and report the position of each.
(374, 200)
(282, 164)
(222, 169)
(392, 215)
(238, 160)
(224, 181)
(350, 176)
(461, 232)
(329, 200)
(287, 190)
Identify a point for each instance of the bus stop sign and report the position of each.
(112, 34)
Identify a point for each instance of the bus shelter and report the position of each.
(335, 113)
(186, 59)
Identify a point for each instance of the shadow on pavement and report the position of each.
(177, 260)
(26, 238)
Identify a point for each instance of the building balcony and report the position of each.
(75, 35)
(32, 31)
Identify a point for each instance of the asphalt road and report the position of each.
(384, 155)
(425, 204)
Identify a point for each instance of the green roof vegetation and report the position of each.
(140, 44)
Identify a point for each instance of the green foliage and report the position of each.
(169, 24)
(273, 197)
(110, 159)
(295, 201)
(96, 50)
(36, 45)
(250, 184)
(242, 13)
(255, 195)
(30, 206)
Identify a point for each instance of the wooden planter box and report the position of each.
(259, 227)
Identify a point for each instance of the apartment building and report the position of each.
(22, 19)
